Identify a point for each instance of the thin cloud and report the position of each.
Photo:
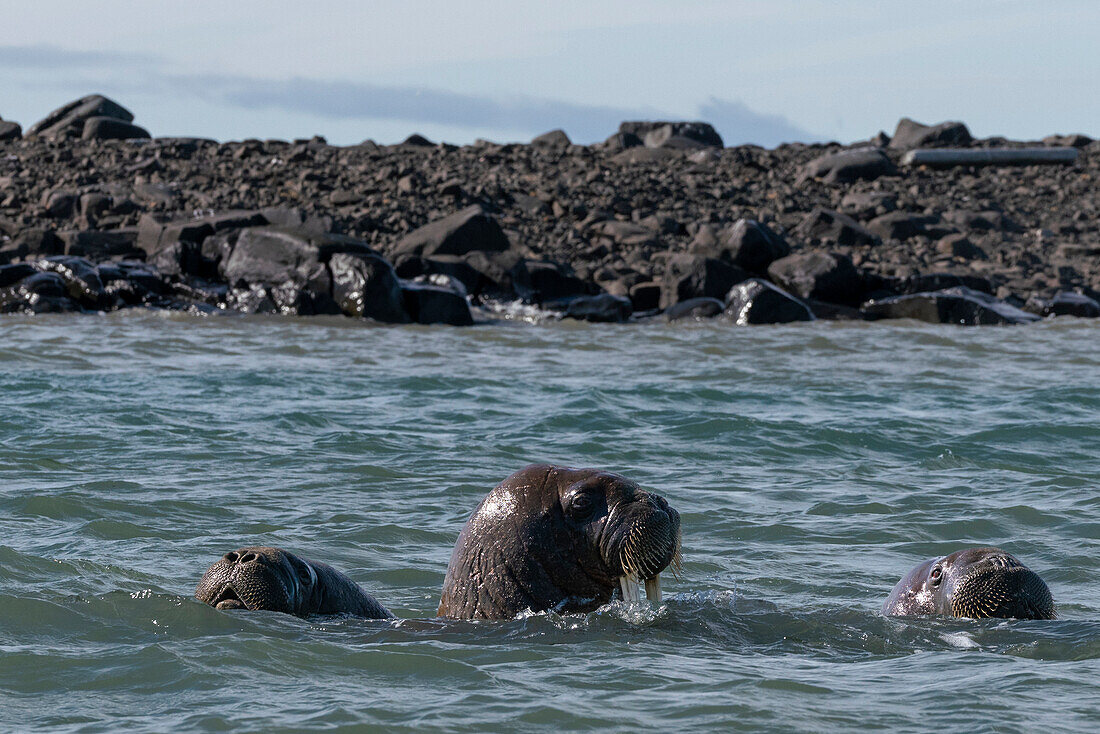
(520, 115)
(52, 57)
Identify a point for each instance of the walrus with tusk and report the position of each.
(554, 538)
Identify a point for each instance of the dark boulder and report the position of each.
(821, 276)
(31, 243)
(12, 274)
(622, 141)
(270, 256)
(10, 130)
(925, 282)
(552, 139)
(959, 305)
(134, 283)
(959, 245)
(432, 304)
(108, 128)
(604, 308)
(857, 164)
(1064, 303)
(68, 121)
(827, 225)
(155, 232)
(751, 245)
(82, 281)
(695, 309)
(694, 276)
(899, 225)
(469, 230)
(645, 296)
(59, 203)
(365, 286)
(673, 134)
(868, 204)
(1073, 140)
(98, 245)
(38, 293)
(551, 281)
(912, 134)
(418, 141)
(983, 221)
(290, 265)
(757, 301)
(183, 258)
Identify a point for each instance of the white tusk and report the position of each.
(629, 586)
(653, 589)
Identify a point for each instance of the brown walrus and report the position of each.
(273, 579)
(974, 583)
(553, 538)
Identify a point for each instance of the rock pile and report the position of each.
(96, 215)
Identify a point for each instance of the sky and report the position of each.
(761, 71)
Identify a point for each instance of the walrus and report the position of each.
(973, 583)
(554, 538)
(272, 579)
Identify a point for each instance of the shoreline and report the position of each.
(658, 220)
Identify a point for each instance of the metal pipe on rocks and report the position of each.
(948, 157)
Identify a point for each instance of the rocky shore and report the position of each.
(658, 221)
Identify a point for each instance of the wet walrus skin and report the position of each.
(272, 579)
(553, 538)
(972, 583)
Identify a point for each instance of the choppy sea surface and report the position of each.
(812, 465)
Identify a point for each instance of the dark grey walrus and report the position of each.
(275, 580)
(564, 539)
(974, 583)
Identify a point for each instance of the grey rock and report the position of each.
(552, 139)
(751, 245)
(912, 134)
(846, 166)
(821, 276)
(757, 301)
(432, 304)
(10, 130)
(694, 276)
(827, 225)
(603, 308)
(471, 229)
(108, 128)
(695, 309)
(672, 134)
(1065, 303)
(68, 121)
(365, 286)
(958, 305)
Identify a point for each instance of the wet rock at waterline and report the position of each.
(959, 305)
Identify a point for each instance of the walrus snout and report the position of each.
(1001, 587)
(250, 578)
(644, 542)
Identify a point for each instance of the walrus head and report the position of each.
(563, 539)
(973, 583)
(259, 578)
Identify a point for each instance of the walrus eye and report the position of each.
(936, 576)
(581, 504)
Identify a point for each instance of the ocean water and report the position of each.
(812, 465)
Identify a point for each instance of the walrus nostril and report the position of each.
(231, 556)
(248, 558)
